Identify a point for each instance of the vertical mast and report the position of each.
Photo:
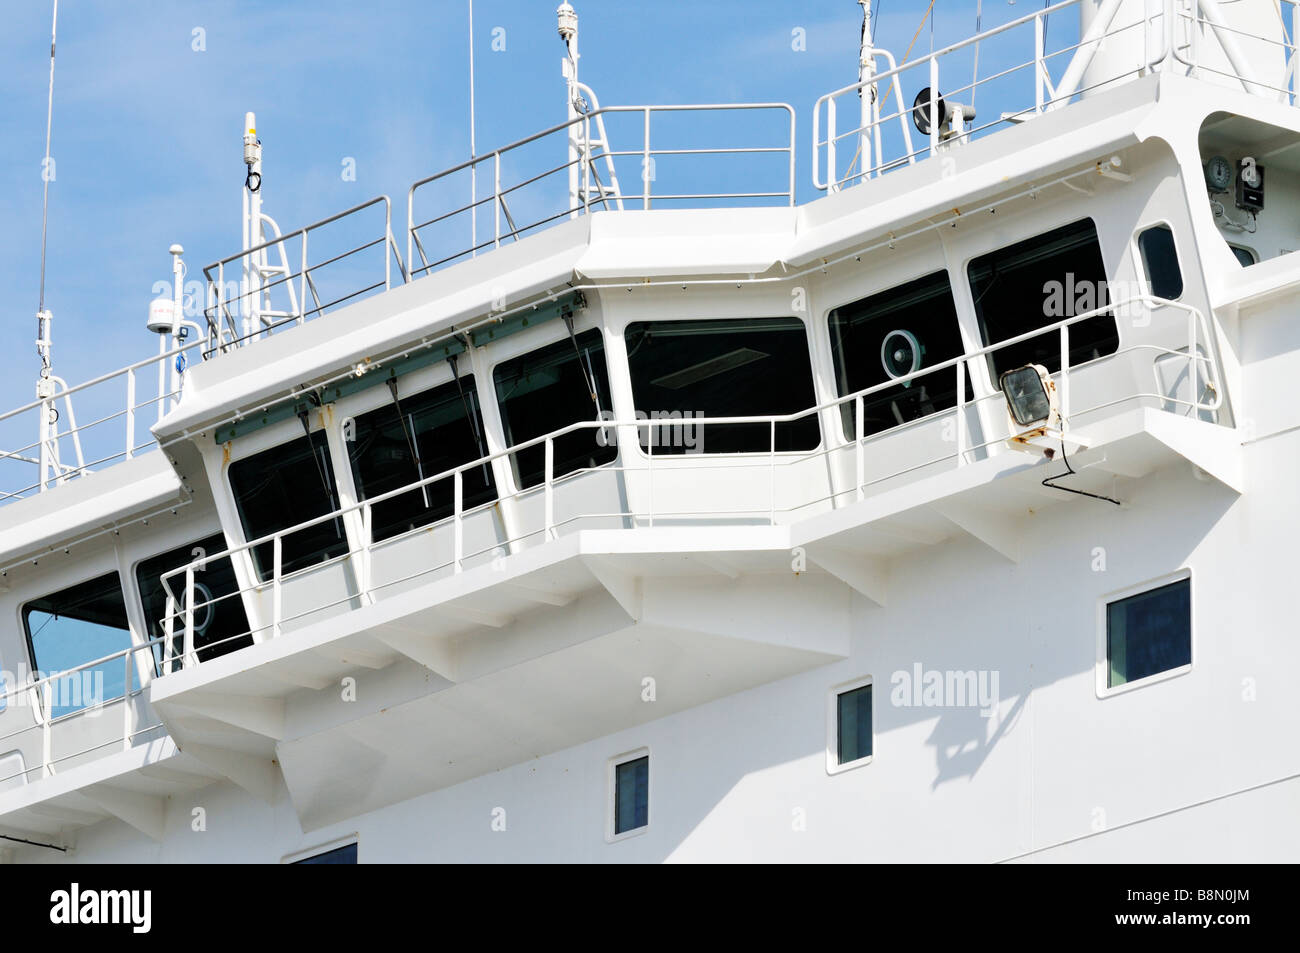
(251, 292)
(568, 28)
(867, 94)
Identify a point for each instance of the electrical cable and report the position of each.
(1070, 471)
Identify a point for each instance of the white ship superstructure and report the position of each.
(616, 507)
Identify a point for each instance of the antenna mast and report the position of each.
(46, 383)
(867, 94)
(568, 29)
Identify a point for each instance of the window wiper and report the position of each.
(410, 440)
(470, 417)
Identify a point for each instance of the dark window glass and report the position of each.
(853, 724)
(889, 335)
(733, 368)
(1039, 282)
(220, 626)
(434, 431)
(1160, 261)
(548, 389)
(285, 486)
(75, 626)
(339, 855)
(631, 795)
(1245, 257)
(1149, 633)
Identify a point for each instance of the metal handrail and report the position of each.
(1197, 330)
(586, 161)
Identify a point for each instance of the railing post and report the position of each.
(771, 503)
(961, 413)
(1038, 64)
(496, 199)
(860, 450)
(126, 705)
(934, 106)
(367, 541)
(277, 563)
(1065, 372)
(47, 716)
(1193, 365)
(190, 658)
(169, 636)
(130, 411)
(388, 230)
(650, 469)
(458, 525)
(586, 165)
(832, 180)
(302, 283)
(645, 162)
(550, 489)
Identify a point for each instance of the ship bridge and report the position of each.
(598, 445)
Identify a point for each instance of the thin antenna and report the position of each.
(473, 169)
(45, 201)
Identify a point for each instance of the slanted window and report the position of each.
(1039, 282)
(891, 335)
(548, 389)
(415, 437)
(1160, 262)
(282, 487)
(849, 739)
(220, 623)
(755, 367)
(72, 627)
(1149, 633)
(631, 795)
(347, 854)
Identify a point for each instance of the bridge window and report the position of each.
(412, 438)
(753, 367)
(220, 623)
(551, 388)
(848, 725)
(1149, 633)
(1039, 282)
(72, 627)
(891, 335)
(282, 487)
(1160, 262)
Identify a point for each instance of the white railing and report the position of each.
(540, 192)
(182, 606)
(234, 314)
(71, 449)
(74, 688)
(882, 139)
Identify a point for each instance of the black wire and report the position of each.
(1070, 471)
(33, 843)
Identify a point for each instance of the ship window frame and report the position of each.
(1103, 686)
(1234, 248)
(1144, 268)
(611, 797)
(991, 357)
(522, 346)
(266, 440)
(847, 409)
(833, 764)
(113, 665)
(815, 417)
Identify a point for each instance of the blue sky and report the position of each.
(147, 129)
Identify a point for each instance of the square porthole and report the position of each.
(1144, 634)
(629, 795)
(850, 735)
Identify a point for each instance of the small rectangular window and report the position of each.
(282, 487)
(1039, 282)
(631, 795)
(548, 389)
(890, 335)
(1160, 262)
(1149, 633)
(220, 623)
(1245, 257)
(75, 626)
(411, 439)
(752, 367)
(853, 725)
